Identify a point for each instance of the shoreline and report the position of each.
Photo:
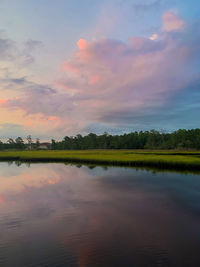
(163, 160)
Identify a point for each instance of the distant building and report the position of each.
(44, 146)
(40, 146)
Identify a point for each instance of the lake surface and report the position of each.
(65, 215)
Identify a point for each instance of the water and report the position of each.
(64, 215)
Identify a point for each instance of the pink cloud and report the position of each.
(94, 79)
(136, 42)
(134, 76)
(82, 44)
(128, 78)
(153, 36)
(66, 66)
(172, 22)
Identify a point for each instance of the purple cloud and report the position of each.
(112, 82)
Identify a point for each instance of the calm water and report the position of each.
(62, 215)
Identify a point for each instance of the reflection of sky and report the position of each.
(95, 216)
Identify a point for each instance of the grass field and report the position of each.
(182, 160)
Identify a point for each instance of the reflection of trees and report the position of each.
(78, 165)
(28, 164)
(18, 163)
(91, 167)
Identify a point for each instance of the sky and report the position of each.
(116, 66)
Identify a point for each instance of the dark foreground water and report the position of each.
(61, 215)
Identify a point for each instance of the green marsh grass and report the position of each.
(185, 160)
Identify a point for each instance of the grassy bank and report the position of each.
(185, 160)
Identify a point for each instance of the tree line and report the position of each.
(180, 139)
(20, 144)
